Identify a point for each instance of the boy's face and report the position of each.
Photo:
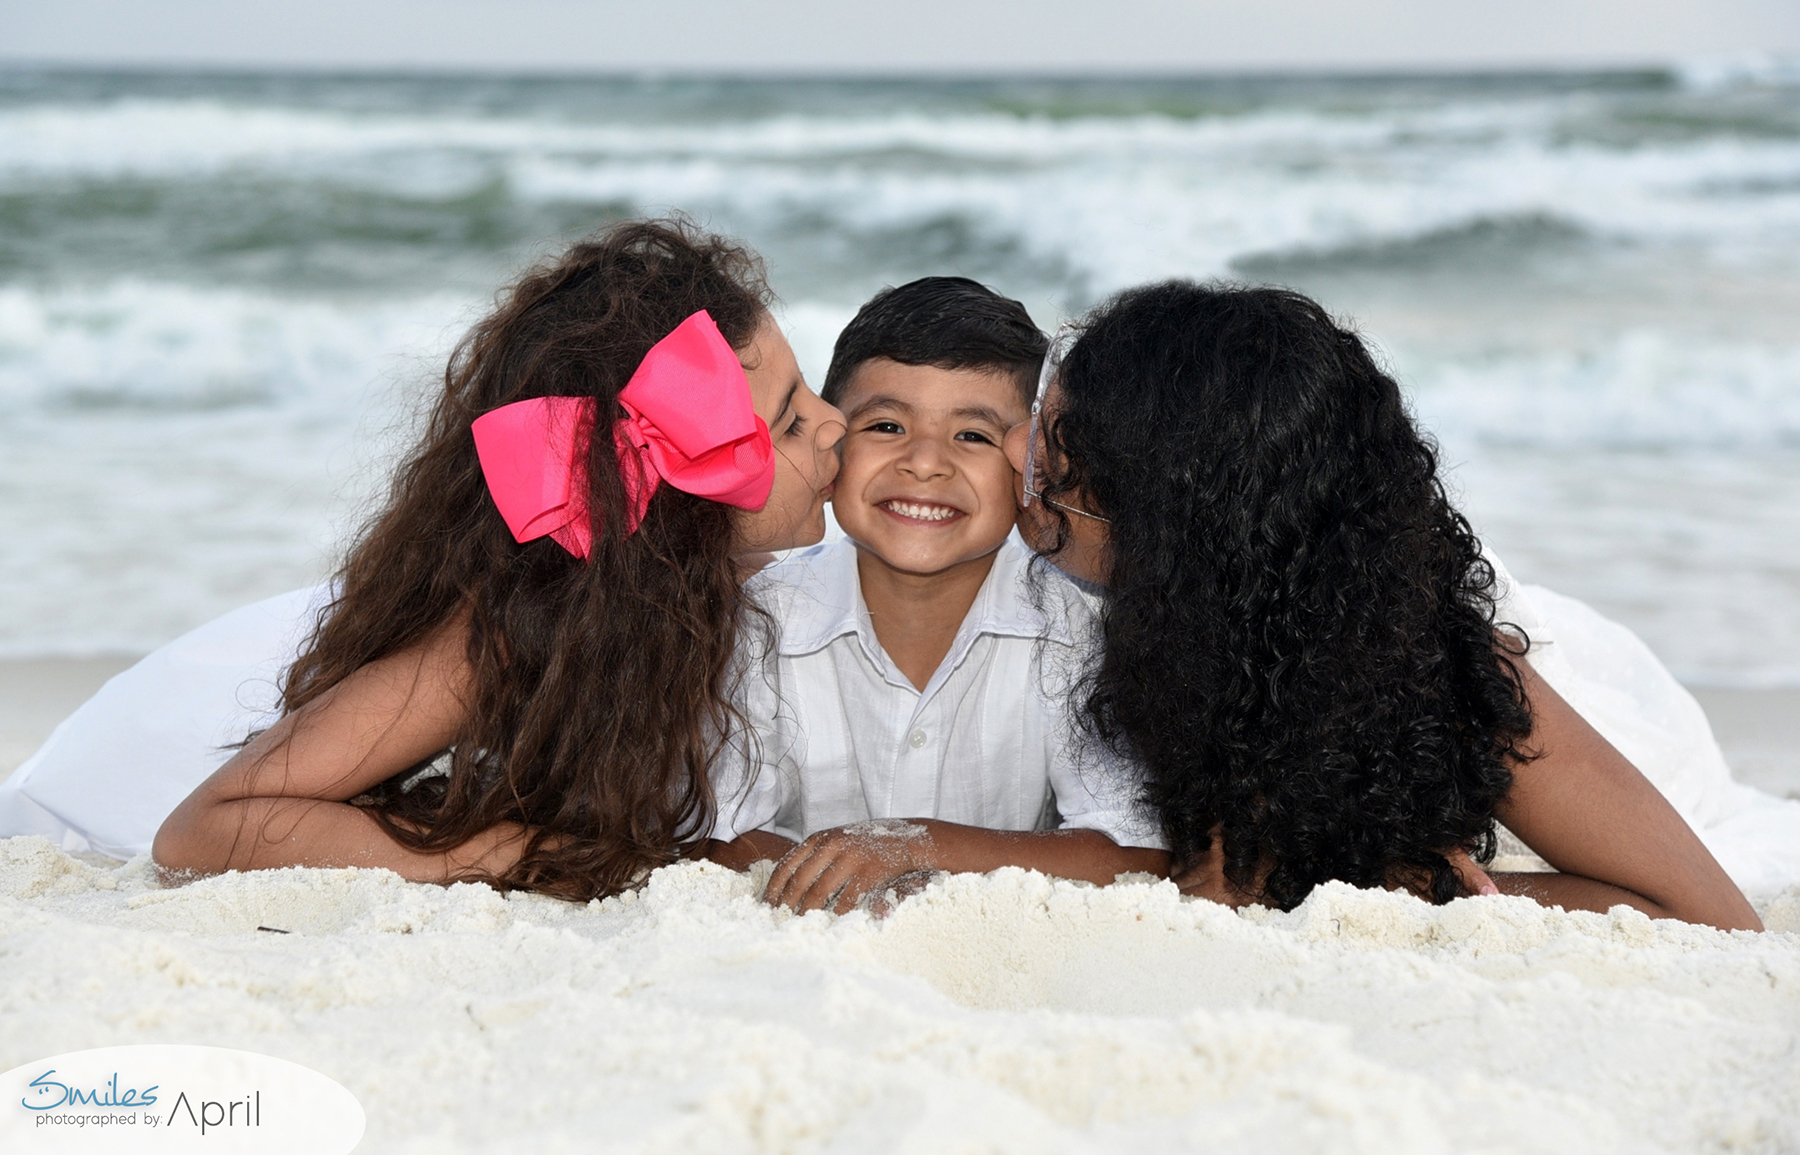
(925, 484)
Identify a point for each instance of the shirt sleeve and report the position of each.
(751, 785)
(749, 791)
(1094, 788)
(1097, 790)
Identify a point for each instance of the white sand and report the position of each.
(1001, 1013)
(1005, 1013)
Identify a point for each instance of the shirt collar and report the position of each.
(824, 601)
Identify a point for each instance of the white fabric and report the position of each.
(1611, 678)
(116, 767)
(110, 774)
(842, 736)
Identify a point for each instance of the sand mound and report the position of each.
(999, 1013)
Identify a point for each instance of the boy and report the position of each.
(911, 715)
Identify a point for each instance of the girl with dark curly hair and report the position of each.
(526, 664)
(1301, 646)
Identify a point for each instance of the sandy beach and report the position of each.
(37, 693)
(995, 1013)
(1000, 1013)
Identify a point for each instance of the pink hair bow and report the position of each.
(688, 422)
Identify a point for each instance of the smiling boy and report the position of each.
(912, 713)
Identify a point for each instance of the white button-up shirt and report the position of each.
(840, 735)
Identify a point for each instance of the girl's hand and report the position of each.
(1611, 835)
(1474, 879)
(285, 798)
(1206, 877)
(747, 849)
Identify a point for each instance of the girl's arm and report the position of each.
(1589, 813)
(747, 849)
(283, 799)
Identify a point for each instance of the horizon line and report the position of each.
(1420, 70)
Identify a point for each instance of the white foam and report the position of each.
(1643, 389)
(1712, 74)
(175, 452)
(148, 345)
(1212, 188)
(175, 447)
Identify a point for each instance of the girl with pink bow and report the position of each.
(549, 604)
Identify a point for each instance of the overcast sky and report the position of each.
(841, 36)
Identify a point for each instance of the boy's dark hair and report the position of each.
(945, 322)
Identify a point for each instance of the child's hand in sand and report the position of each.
(833, 869)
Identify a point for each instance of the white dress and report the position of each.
(116, 767)
(111, 773)
(1610, 677)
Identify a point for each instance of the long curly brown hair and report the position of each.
(600, 691)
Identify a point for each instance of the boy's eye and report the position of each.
(975, 435)
(883, 427)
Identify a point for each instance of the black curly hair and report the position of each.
(1299, 639)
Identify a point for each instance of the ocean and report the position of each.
(223, 296)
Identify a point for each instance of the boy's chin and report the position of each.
(923, 563)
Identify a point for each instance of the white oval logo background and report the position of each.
(171, 1098)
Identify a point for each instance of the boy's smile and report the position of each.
(920, 511)
(925, 484)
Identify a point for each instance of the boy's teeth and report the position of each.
(922, 512)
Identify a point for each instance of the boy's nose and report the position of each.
(924, 459)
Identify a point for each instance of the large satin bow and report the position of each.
(688, 422)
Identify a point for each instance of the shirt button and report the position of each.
(916, 739)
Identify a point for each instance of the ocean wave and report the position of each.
(1640, 389)
(159, 347)
(1489, 240)
(1749, 70)
(1388, 172)
(221, 300)
(140, 136)
(173, 451)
